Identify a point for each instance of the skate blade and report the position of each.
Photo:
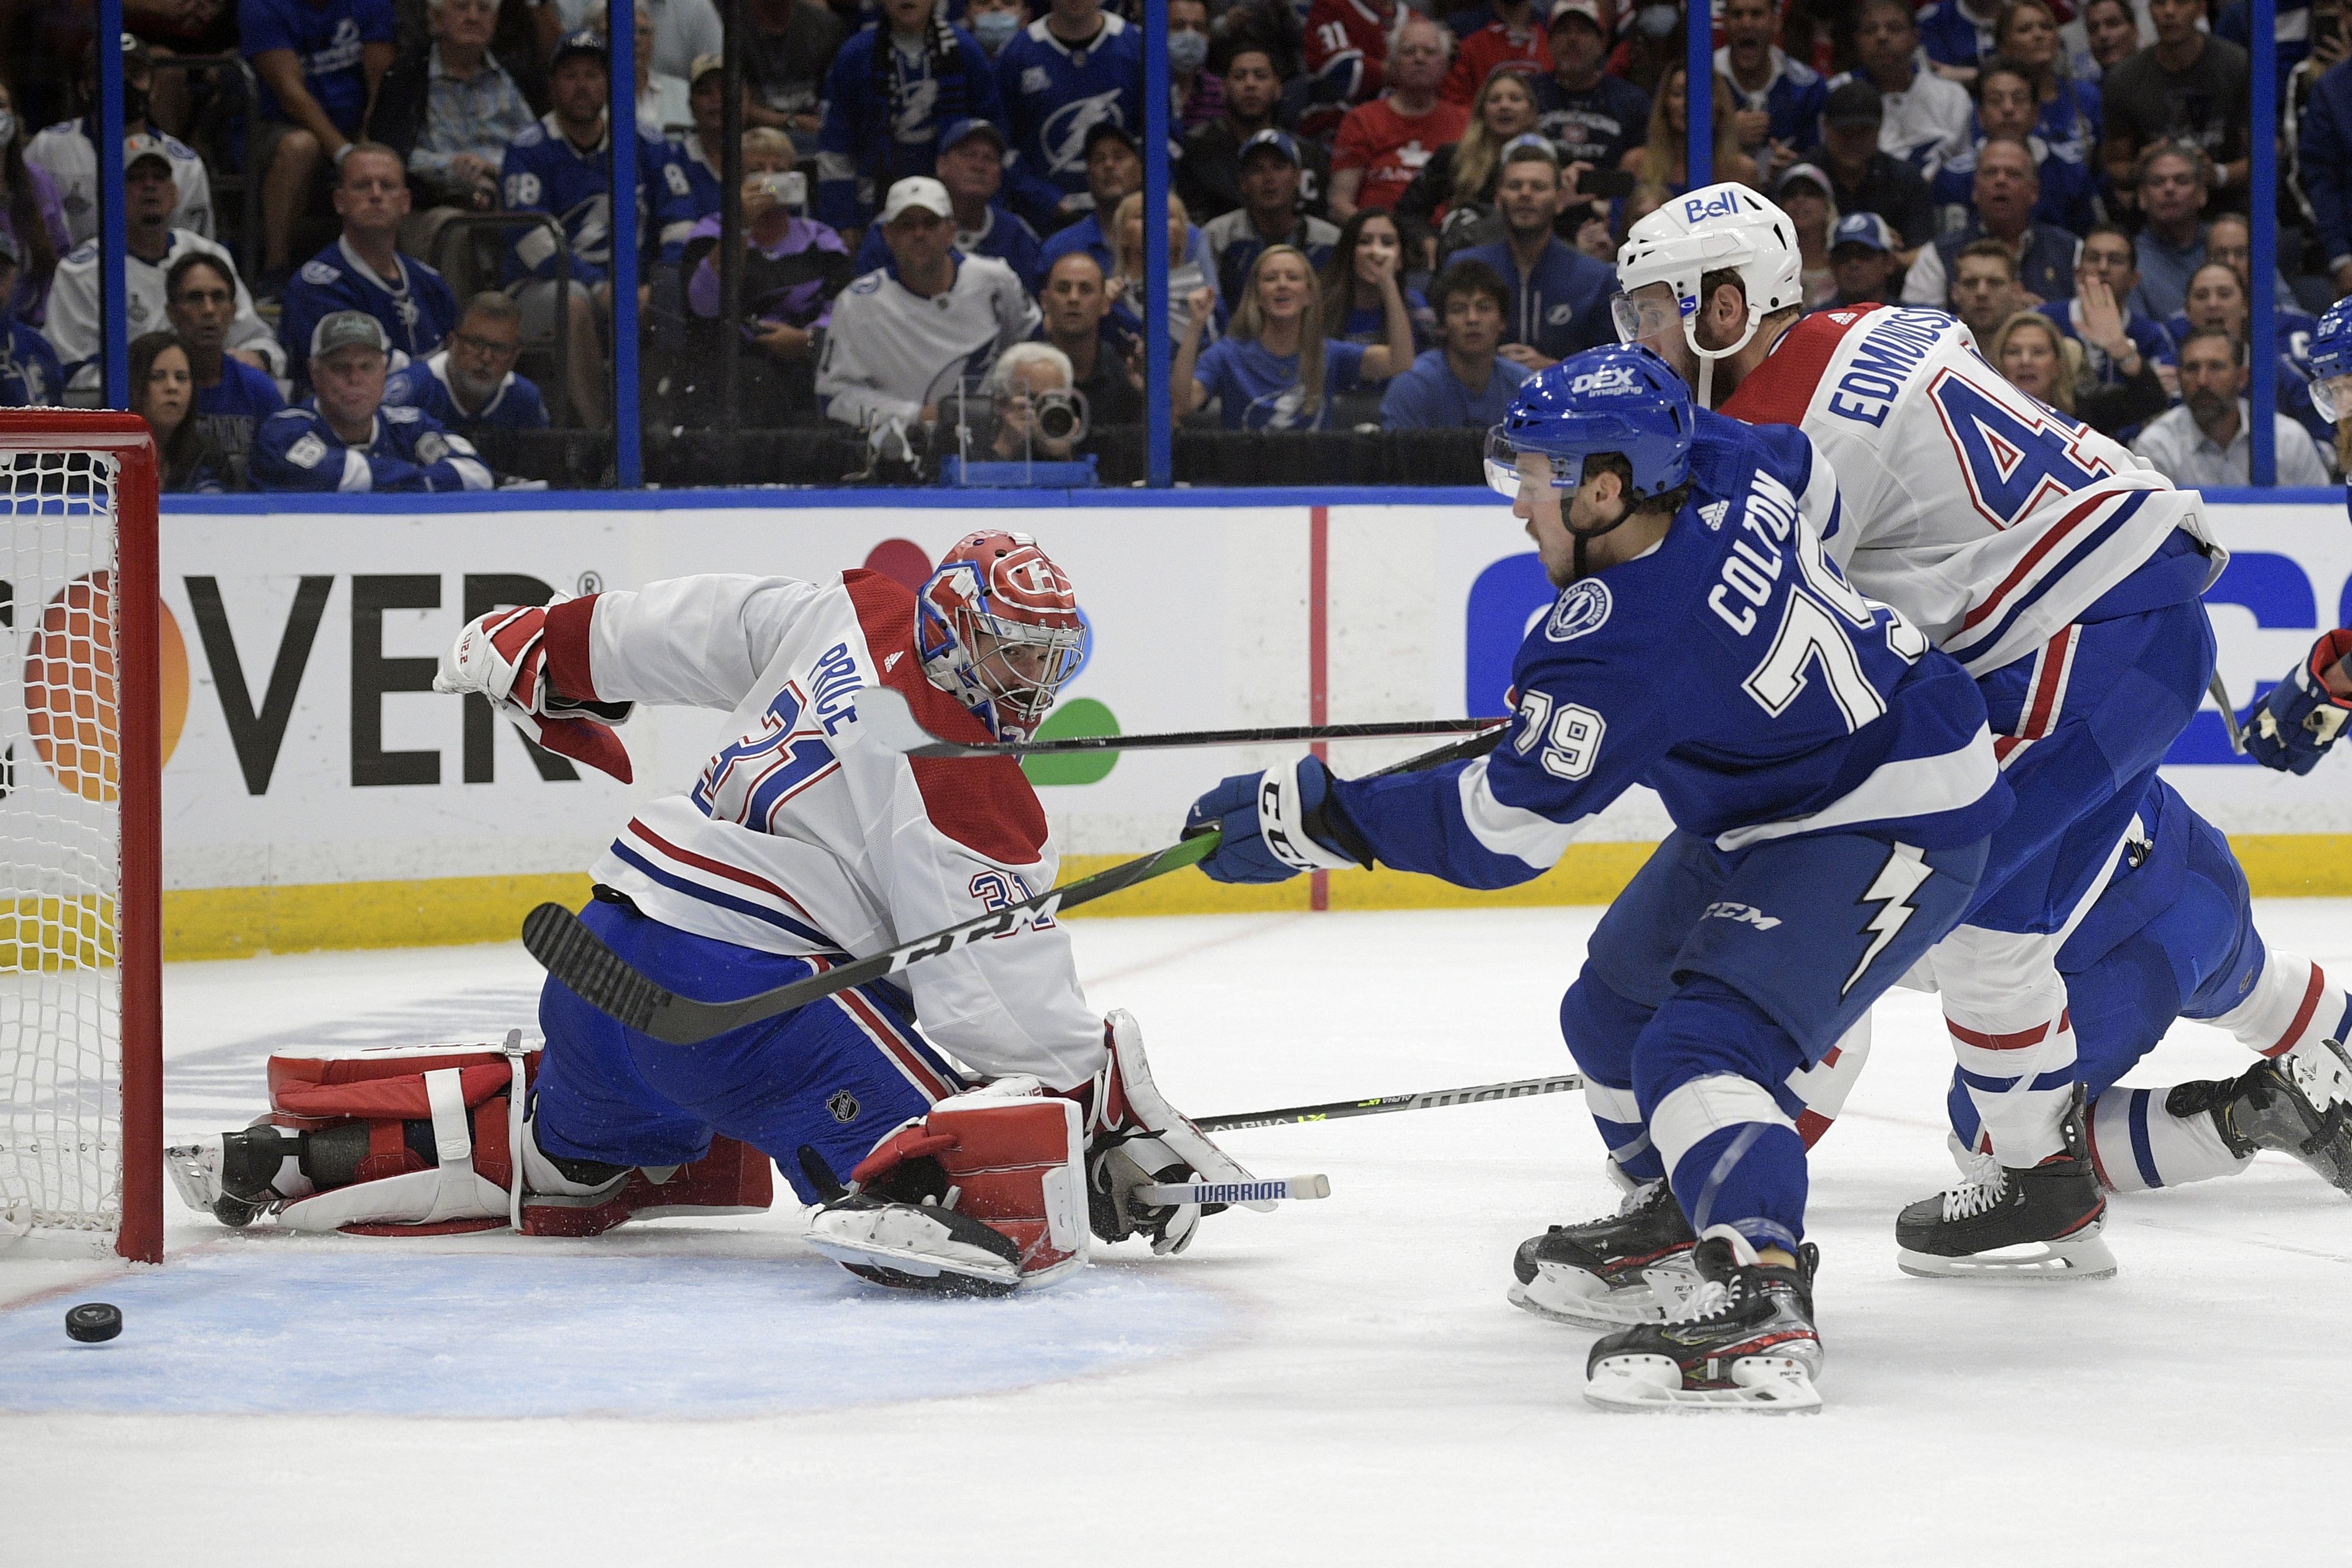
(1561, 1298)
(2083, 1257)
(994, 1273)
(1644, 1385)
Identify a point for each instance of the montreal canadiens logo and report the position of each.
(1581, 609)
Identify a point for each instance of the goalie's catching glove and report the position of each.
(2300, 717)
(503, 657)
(1276, 824)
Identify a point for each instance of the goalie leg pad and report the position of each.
(472, 1100)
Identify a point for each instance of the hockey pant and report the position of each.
(2173, 937)
(2080, 726)
(1716, 989)
(837, 1075)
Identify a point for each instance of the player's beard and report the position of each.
(2344, 446)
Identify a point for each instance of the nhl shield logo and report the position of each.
(1581, 609)
(844, 1106)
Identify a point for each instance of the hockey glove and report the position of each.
(2300, 717)
(1135, 1137)
(1277, 824)
(503, 657)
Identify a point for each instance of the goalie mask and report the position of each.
(999, 629)
(1719, 228)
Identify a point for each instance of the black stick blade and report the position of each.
(574, 956)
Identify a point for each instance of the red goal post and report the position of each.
(81, 1104)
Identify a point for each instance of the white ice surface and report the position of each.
(1338, 1382)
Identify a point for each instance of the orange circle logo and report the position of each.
(69, 693)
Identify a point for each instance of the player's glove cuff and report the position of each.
(1301, 823)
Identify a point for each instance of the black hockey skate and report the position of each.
(2038, 1222)
(2299, 1103)
(1747, 1342)
(232, 1176)
(1596, 1273)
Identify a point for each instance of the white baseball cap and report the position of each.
(918, 191)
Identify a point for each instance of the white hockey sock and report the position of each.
(2136, 1144)
(2005, 1008)
(2292, 1002)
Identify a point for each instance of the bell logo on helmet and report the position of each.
(1723, 204)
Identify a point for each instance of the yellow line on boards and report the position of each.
(238, 922)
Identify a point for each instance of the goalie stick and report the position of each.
(1267, 1190)
(887, 721)
(1339, 1110)
(574, 955)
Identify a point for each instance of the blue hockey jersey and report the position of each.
(878, 128)
(425, 384)
(1561, 307)
(231, 409)
(30, 376)
(415, 308)
(544, 172)
(297, 449)
(1732, 670)
(1054, 95)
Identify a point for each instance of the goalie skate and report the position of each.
(1627, 1267)
(238, 1176)
(2299, 1103)
(1745, 1341)
(2042, 1222)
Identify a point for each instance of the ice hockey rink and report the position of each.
(1336, 1382)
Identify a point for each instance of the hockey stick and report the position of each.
(572, 954)
(1339, 1110)
(2229, 714)
(887, 721)
(1270, 1189)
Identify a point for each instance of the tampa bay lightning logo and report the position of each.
(1581, 609)
(1063, 139)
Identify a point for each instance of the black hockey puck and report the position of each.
(93, 1323)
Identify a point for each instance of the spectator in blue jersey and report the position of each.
(2005, 189)
(449, 109)
(1560, 295)
(971, 164)
(2005, 107)
(2217, 298)
(1864, 176)
(30, 376)
(893, 88)
(1866, 262)
(1465, 381)
(1353, 304)
(1957, 35)
(1921, 113)
(363, 269)
(232, 397)
(792, 269)
(469, 384)
(319, 62)
(558, 166)
(1269, 214)
(701, 151)
(1777, 100)
(160, 394)
(1114, 172)
(1072, 69)
(1594, 118)
(2324, 163)
(2101, 318)
(344, 438)
(1275, 370)
(2173, 180)
(2067, 111)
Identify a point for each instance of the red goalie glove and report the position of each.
(503, 657)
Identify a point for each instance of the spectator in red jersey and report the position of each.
(1384, 145)
(1516, 33)
(1348, 56)
(1198, 94)
(1455, 192)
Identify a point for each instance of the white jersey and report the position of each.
(64, 152)
(75, 311)
(889, 351)
(800, 838)
(1988, 519)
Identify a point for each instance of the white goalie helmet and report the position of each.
(1716, 228)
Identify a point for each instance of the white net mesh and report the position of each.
(60, 982)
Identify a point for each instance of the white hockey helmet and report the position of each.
(1718, 228)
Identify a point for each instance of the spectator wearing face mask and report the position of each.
(996, 23)
(1196, 94)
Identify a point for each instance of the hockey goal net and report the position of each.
(80, 831)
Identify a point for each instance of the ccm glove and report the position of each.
(1276, 824)
(2300, 717)
(503, 657)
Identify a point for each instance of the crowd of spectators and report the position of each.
(1379, 215)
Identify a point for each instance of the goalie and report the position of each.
(797, 847)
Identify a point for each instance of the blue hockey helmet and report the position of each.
(1619, 399)
(2331, 361)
